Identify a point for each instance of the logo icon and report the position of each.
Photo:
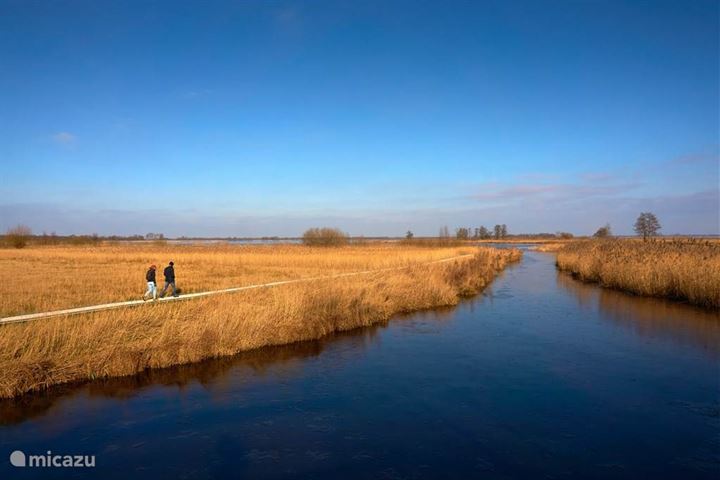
(17, 458)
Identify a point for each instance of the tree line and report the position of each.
(646, 226)
(472, 233)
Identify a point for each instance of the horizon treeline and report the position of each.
(646, 226)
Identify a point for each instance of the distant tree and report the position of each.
(46, 239)
(603, 232)
(324, 237)
(503, 231)
(497, 231)
(462, 233)
(18, 236)
(409, 235)
(564, 235)
(647, 225)
(444, 232)
(484, 233)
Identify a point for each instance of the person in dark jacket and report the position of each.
(152, 286)
(169, 273)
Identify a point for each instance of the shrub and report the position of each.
(18, 236)
(603, 232)
(324, 237)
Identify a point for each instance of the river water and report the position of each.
(540, 377)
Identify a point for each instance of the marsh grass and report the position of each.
(37, 279)
(677, 269)
(550, 247)
(37, 355)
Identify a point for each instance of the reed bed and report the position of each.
(37, 279)
(676, 269)
(37, 355)
(550, 247)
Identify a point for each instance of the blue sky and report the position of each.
(265, 118)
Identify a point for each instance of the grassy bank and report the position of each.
(39, 354)
(680, 270)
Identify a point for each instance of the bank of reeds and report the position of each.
(37, 355)
(432, 242)
(550, 247)
(681, 270)
(42, 278)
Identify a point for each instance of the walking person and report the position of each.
(169, 273)
(151, 285)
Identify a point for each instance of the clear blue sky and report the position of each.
(264, 118)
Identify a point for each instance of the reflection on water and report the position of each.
(282, 361)
(653, 317)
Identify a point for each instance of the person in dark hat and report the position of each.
(169, 273)
(151, 285)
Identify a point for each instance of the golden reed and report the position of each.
(37, 355)
(677, 269)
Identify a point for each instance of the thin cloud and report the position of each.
(288, 17)
(538, 177)
(598, 177)
(64, 138)
(693, 212)
(550, 191)
(695, 158)
(196, 93)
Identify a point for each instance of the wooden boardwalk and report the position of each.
(133, 303)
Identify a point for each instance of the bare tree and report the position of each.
(484, 233)
(603, 232)
(503, 230)
(647, 225)
(444, 232)
(409, 235)
(498, 231)
(462, 233)
(18, 236)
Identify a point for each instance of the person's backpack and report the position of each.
(148, 275)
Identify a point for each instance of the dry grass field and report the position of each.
(677, 269)
(39, 279)
(36, 355)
